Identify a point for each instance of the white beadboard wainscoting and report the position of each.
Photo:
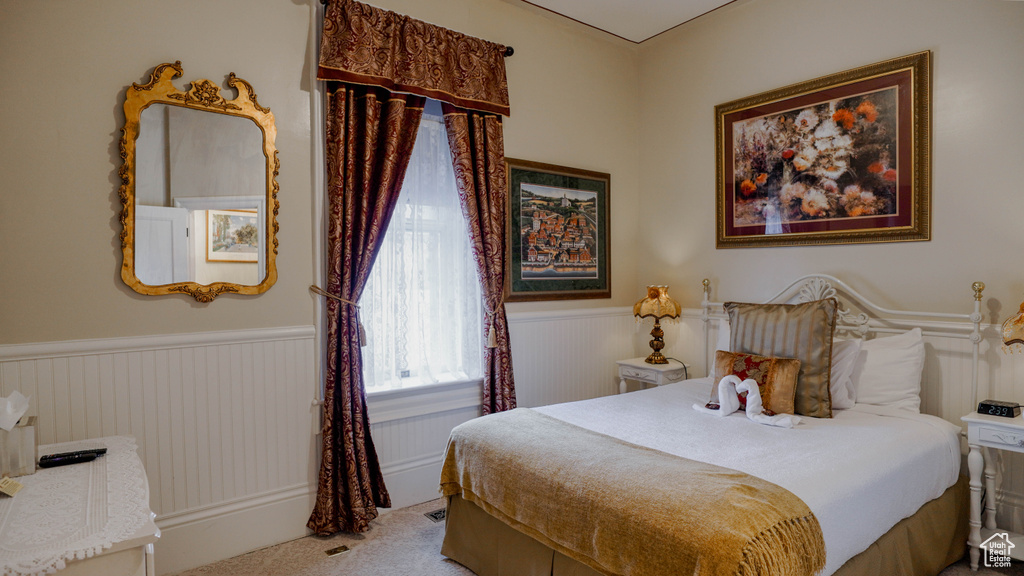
(410, 430)
(566, 355)
(223, 420)
(227, 428)
(556, 357)
(229, 435)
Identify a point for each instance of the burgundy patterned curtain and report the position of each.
(362, 44)
(370, 134)
(478, 154)
(371, 129)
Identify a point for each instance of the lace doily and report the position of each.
(74, 512)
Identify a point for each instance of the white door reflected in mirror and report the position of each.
(161, 240)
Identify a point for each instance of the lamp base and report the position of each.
(656, 357)
(657, 344)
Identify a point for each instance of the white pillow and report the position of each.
(724, 334)
(888, 371)
(844, 360)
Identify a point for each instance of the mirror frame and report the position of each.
(202, 95)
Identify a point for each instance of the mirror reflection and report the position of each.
(199, 198)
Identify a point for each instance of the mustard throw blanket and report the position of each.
(624, 509)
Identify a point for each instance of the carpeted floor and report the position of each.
(401, 542)
(963, 568)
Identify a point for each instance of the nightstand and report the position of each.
(63, 515)
(983, 434)
(657, 374)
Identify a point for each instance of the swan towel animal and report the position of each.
(729, 390)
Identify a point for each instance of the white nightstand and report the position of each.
(984, 433)
(64, 514)
(657, 374)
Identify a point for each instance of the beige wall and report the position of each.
(64, 68)
(756, 45)
(573, 94)
(63, 73)
(579, 98)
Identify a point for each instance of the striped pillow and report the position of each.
(801, 331)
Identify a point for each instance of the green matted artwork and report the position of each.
(559, 238)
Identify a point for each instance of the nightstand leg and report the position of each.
(975, 464)
(622, 386)
(990, 490)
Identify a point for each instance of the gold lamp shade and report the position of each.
(658, 304)
(1013, 329)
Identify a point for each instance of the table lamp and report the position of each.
(656, 305)
(1013, 330)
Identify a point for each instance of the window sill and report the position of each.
(425, 388)
(402, 403)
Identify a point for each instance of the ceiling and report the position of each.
(633, 20)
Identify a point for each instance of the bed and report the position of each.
(641, 483)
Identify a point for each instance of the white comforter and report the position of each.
(860, 472)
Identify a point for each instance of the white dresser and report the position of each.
(84, 519)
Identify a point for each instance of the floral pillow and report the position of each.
(776, 378)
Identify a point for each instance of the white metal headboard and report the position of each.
(860, 317)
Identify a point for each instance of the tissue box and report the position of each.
(18, 453)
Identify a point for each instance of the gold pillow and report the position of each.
(776, 378)
(801, 331)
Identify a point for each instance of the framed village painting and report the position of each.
(559, 246)
(836, 160)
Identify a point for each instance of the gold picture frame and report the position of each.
(203, 97)
(840, 159)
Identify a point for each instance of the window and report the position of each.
(421, 308)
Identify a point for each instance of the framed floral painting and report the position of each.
(559, 239)
(837, 160)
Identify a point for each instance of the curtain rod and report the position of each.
(508, 49)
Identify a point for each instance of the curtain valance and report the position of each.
(362, 44)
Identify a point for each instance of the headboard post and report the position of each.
(978, 288)
(705, 305)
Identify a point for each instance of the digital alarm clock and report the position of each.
(999, 408)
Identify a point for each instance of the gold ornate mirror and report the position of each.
(199, 189)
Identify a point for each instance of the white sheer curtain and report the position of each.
(422, 307)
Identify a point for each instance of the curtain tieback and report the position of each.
(318, 290)
(492, 340)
